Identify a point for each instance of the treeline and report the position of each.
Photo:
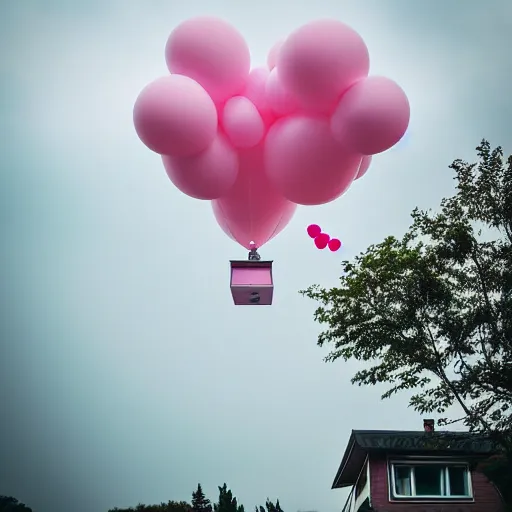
(10, 504)
(200, 503)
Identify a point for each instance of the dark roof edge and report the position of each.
(345, 459)
(353, 445)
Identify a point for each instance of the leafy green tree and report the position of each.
(200, 503)
(10, 504)
(227, 502)
(432, 311)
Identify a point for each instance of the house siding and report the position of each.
(486, 496)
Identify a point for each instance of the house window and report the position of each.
(430, 480)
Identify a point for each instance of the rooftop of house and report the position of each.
(362, 442)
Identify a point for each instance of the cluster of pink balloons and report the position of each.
(258, 143)
(323, 240)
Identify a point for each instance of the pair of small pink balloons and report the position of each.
(323, 240)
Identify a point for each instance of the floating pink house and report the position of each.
(252, 282)
(423, 471)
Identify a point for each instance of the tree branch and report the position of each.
(447, 381)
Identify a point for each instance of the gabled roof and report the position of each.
(362, 442)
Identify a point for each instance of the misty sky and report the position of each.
(126, 373)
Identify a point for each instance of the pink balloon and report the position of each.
(320, 60)
(175, 116)
(255, 91)
(242, 122)
(372, 116)
(208, 175)
(305, 163)
(334, 244)
(365, 164)
(314, 230)
(252, 210)
(322, 240)
(272, 55)
(213, 53)
(280, 100)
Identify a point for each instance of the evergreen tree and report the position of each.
(270, 507)
(200, 503)
(227, 502)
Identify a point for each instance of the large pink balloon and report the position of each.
(208, 175)
(175, 116)
(212, 52)
(372, 116)
(252, 210)
(242, 123)
(320, 60)
(281, 101)
(305, 163)
(364, 166)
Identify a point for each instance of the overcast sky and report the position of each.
(126, 373)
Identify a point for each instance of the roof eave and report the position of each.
(344, 461)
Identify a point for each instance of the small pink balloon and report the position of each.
(212, 52)
(255, 91)
(272, 55)
(208, 175)
(372, 116)
(280, 100)
(242, 123)
(320, 60)
(175, 116)
(314, 230)
(305, 163)
(334, 244)
(365, 164)
(322, 240)
(252, 210)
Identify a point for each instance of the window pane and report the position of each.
(458, 481)
(403, 480)
(428, 480)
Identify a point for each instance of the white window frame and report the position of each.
(411, 462)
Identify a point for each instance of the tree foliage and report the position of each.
(432, 312)
(200, 503)
(170, 506)
(269, 507)
(10, 504)
(227, 502)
